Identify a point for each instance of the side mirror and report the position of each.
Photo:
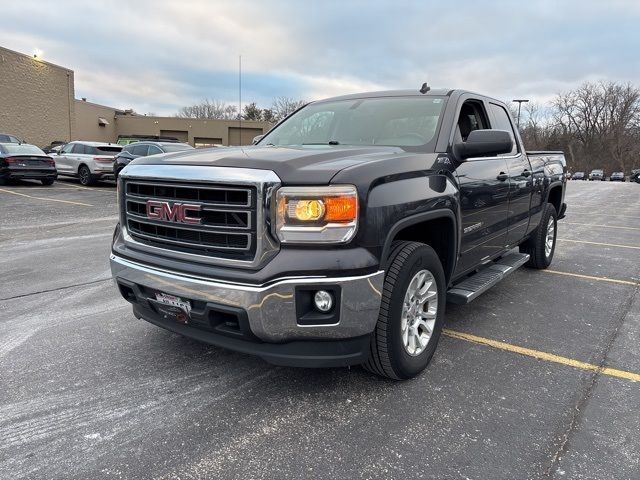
(482, 143)
(256, 139)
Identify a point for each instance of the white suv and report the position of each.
(88, 161)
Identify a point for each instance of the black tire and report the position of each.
(47, 181)
(535, 245)
(388, 357)
(85, 177)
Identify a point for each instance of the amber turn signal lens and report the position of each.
(340, 209)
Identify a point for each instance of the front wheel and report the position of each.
(542, 243)
(411, 312)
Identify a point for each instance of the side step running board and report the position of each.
(482, 281)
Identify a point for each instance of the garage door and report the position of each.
(181, 135)
(246, 138)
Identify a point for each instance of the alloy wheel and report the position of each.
(550, 238)
(419, 311)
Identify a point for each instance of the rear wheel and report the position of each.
(47, 181)
(542, 243)
(84, 175)
(411, 313)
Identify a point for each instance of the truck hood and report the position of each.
(294, 165)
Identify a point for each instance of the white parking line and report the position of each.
(598, 243)
(602, 226)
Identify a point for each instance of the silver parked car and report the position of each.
(88, 161)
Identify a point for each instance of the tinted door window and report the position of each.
(140, 150)
(501, 122)
(153, 150)
(78, 148)
(67, 148)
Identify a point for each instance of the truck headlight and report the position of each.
(316, 214)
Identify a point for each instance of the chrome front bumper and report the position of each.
(270, 308)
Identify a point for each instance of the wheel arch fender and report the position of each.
(422, 218)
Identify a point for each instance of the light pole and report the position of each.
(520, 102)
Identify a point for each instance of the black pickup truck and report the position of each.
(338, 238)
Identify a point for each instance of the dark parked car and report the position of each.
(617, 177)
(579, 176)
(340, 235)
(24, 161)
(597, 174)
(145, 149)
(129, 139)
(6, 138)
(635, 176)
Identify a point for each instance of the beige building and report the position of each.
(36, 99)
(37, 104)
(101, 123)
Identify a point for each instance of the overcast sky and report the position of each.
(156, 56)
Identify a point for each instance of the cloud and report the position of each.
(160, 55)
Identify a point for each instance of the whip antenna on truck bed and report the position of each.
(425, 88)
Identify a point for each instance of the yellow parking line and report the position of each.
(590, 277)
(598, 243)
(46, 199)
(549, 357)
(602, 226)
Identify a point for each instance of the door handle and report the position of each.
(502, 177)
(526, 173)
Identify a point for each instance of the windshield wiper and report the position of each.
(330, 142)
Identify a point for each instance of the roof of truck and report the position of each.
(394, 93)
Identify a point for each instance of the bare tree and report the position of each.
(283, 106)
(599, 124)
(209, 109)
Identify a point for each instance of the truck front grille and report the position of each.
(227, 218)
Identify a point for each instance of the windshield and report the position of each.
(8, 138)
(23, 149)
(176, 147)
(407, 122)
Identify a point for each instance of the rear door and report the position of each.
(484, 192)
(520, 178)
(77, 157)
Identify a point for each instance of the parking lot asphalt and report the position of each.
(88, 391)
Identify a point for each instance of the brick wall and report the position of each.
(36, 99)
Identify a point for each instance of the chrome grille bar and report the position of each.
(234, 205)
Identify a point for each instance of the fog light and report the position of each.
(323, 301)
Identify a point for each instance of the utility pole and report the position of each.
(520, 102)
(240, 97)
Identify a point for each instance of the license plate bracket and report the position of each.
(173, 307)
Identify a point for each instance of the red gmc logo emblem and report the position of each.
(178, 212)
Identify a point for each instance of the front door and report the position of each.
(484, 194)
(63, 163)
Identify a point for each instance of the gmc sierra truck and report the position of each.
(338, 237)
